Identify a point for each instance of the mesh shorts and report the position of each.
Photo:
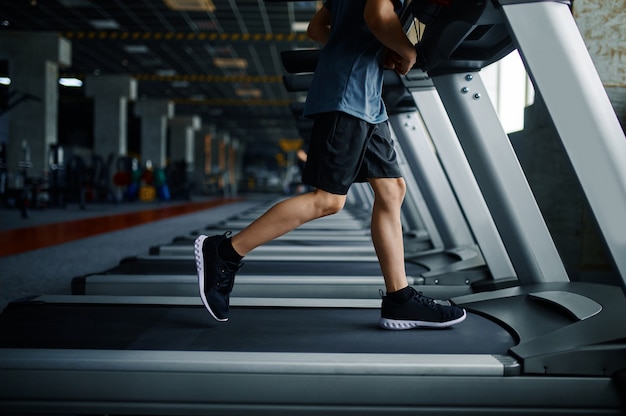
(345, 149)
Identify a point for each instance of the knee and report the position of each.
(401, 189)
(328, 204)
(398, 189)
(392, 192)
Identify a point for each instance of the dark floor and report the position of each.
(50, 269)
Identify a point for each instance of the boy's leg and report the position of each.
(338, 145)
(216, 273)
(285, 216)
(386, 230)
(403, 307)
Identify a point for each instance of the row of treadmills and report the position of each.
(303, 337)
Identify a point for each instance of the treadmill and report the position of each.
(331, 265)
(346, 274)
(141, 355)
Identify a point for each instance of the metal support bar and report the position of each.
(432, 181)
(439, 129)
(500, 177)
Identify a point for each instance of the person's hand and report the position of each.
(400, 64)
(391, 58)
(403, 64)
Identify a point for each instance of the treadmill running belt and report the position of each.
(250, 329)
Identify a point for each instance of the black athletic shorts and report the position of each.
(345, 149)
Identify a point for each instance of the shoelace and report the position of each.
(425, 300)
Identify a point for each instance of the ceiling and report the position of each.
(180, 54)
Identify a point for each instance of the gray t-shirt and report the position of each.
(349, 73)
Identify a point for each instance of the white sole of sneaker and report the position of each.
(197, 252)
(396, 324)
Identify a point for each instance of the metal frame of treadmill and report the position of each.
(431, 119)
(561, 69)
(560, 66)
(192, 383)
(277, 286)
(430, 199)
(417, 222)
(294, 250)
(198, 383)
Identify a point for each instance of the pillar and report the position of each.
(182, 140)
(222, 161)
(34, 59)
(111, 94)
(234, 166)
(203, 155)
(154, 116)
(228, 162)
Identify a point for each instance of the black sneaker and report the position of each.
(419, 311)
(215, 276)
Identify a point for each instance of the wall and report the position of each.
(603, 26)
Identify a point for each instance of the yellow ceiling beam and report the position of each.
(259, 79)
(231, 102)
(187, 36)
(191, 5)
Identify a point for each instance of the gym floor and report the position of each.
(42, 253)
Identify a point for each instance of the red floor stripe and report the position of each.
(26, 239)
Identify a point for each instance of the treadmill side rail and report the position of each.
(166, 382)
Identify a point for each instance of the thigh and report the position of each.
(380, 160)
(338, 145)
